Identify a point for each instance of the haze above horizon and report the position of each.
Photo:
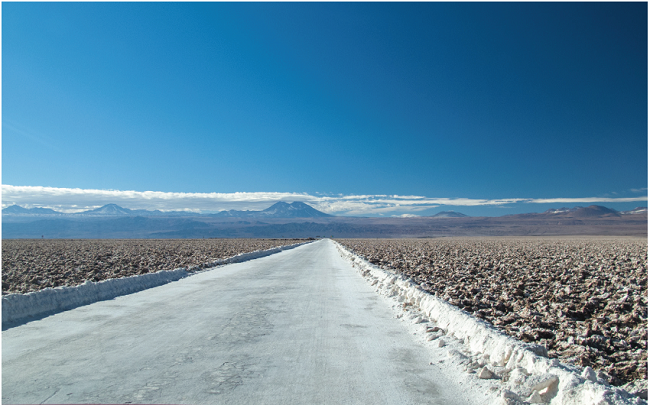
(355, 108)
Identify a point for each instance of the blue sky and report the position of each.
(483, 108)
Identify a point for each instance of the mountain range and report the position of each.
(591, 211)
(295, 209)
(300, 220)
(280, 209)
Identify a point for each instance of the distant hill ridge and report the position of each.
(590, 211)
(18, 210)
(449, 214)
(281, 209)
(298, 209)
(637, 210)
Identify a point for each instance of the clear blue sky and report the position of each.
(441, 100)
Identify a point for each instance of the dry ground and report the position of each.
(33, 264)
(585, 299)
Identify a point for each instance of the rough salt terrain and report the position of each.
(584, 299)
(33, 264)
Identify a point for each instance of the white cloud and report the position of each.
(586, 200)
(76, 199)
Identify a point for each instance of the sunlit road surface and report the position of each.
(297, 327)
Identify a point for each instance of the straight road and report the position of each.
(297, 327)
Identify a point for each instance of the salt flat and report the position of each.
(301, 326)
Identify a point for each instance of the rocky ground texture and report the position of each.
(34, 264)
(584, 299)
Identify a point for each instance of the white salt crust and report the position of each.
(519, 370)
(19, 308)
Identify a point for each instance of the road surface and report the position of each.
(297, 327)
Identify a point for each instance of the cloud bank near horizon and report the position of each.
(75, 200)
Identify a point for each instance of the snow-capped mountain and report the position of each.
(590, 211)
(558, 210)
(108, 209)
(280, 209)
(296, 209)
(637, 210)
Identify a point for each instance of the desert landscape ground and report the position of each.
(584, 299)
(32, 265)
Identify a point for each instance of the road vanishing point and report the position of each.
(297, 327)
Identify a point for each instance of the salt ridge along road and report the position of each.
(584, 299)
(520, 372)
(21, 308)
(301, 326)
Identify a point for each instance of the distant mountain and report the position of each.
(594, 211)
(558, 210)
(296, 209)
(280, 209)
(108, 209)
(449, 214)
(637, 210)
(583, 212)
(235, 214)
(18, 210)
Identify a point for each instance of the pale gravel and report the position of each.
(30, 265)
(584, 299)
